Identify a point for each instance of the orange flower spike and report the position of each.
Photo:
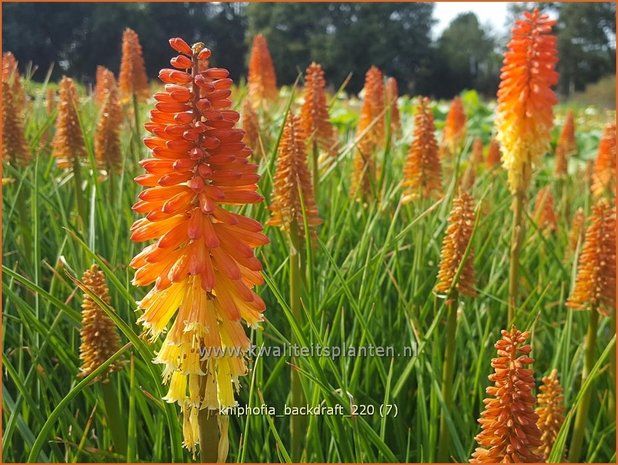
(524, 115)
(50, 101)
(11, 75)
(105, 80)
(291, 173)
(364, 173)
(604, 171)
(68, 143)
(251, 126)
(562, 164)
(494, 159)
(14, 146)
(261, 78)
(99, 337)
(509, 423)
(392, 95)
(576, 234)
(132, 78)
(422, 173)
(10, 71)
(567, 135)
(369, 134)
(550, 411)
(454, 133)
(476, 158)
(202, 261)
(314, 118)
(107, 148)
(544, 213)
(454, 245)
(595, 284)
(372, 111)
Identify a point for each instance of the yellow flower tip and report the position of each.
(604, 171)
(201, 258)
(454, 245)
(422, 171)
(505, 437)
(550, 410)
(99, 337)
(261, 77)
(314, 118)
(544, 213)
(132, 78)
(454, 133)
(524, 115)
(293, 189)
(68, 143)
(595, 283)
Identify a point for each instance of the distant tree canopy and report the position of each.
(343, 37)
(346, 37)
(470, 56)
(77, 37)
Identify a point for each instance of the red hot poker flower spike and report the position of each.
(509, 423)
(291, 180)
(595, 284)
(604, 172)
(524, 116)
(132, 79)
(202, 260)
(550, 411)
(454, 133)
(68, 144)
(261, 78)
(314, 117)
(392, 95)
(422, 171)
(567, 135)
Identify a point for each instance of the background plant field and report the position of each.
(370, 283)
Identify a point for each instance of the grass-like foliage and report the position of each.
(370, 280)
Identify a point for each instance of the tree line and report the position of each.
(343, 37)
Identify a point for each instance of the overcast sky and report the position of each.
(493, 13)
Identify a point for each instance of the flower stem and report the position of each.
(612, 374)
(79, 194)
(24, 218)
(209, 435)
(136, 129)
(584, 406)
(447, 379)
(297, 422)
(517, 235)
(112, 185)
(316, 174)
(116, 422)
